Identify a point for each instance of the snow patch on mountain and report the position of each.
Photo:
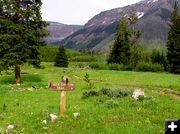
(140, 14)
(151, 1)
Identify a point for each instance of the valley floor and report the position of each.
(27, 109)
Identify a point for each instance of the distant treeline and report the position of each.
(48, 54)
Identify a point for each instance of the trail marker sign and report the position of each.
(62, 86)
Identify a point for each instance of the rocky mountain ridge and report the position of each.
(98, 33)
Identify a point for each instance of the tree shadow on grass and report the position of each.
(25, 78)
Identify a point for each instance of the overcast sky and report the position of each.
(78, 11)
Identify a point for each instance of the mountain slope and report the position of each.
(98, 33)
(59, 31)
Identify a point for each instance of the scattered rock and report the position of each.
(18, 84)
(137, 93)
(53, 117)
(9, 128)
(87, 68)
(76, 115)
(35, 87)
(44, 121)
(30, 89)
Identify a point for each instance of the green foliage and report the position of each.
(159, 57)
(173, 44)
(98, 66)
(90, 93)
(61, 58)
(138, 54)
(84, 58)
(120, 52)
(89, 82)
(141, 98)
(112, 104)
(48, 53)
(111, 93)
(21, 32)
(135, 34)
(27, 109)
(149, 67)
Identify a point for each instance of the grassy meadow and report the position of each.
(27, 109)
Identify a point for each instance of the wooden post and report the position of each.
(63, 86)
(63, 103)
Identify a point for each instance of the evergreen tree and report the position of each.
(61, 58)
(120, 52)
(173, 44)
(135, 34)
(21, 34)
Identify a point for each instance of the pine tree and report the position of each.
(120, 52)
(135, 34)
(61, 58)
(173, 44)
(21, 34)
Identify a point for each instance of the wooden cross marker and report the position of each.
(63, 86)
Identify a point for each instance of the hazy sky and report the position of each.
(78, 11)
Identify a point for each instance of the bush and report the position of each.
(141, 98)
(98, 66)
(89, 82)
(159, 57)
(138, 54)
(111, 93)
(84, 58)
(48, 53)
(149, 67)
(90, 93)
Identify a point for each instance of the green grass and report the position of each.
(26, 109)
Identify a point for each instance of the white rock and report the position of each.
(9, 128)
(18, 84)
(76, 115)
(137, 93)
(30, 89)
(44, 121)
(53, 117)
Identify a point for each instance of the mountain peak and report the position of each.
(98, 32)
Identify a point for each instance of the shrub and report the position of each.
(159, 57)
(138, 54)
(149, 67)
(90, 93)
(111, 93)
(48, 53)
(90, 85)
(141, 98)
(98, 66)
(84, 58)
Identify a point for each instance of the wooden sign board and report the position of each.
(61, 86)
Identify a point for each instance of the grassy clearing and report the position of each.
(27, 109)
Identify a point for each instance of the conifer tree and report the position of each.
(21, 34)
(135, 34)
(120, 52)
(173, 44)
(61, 58)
